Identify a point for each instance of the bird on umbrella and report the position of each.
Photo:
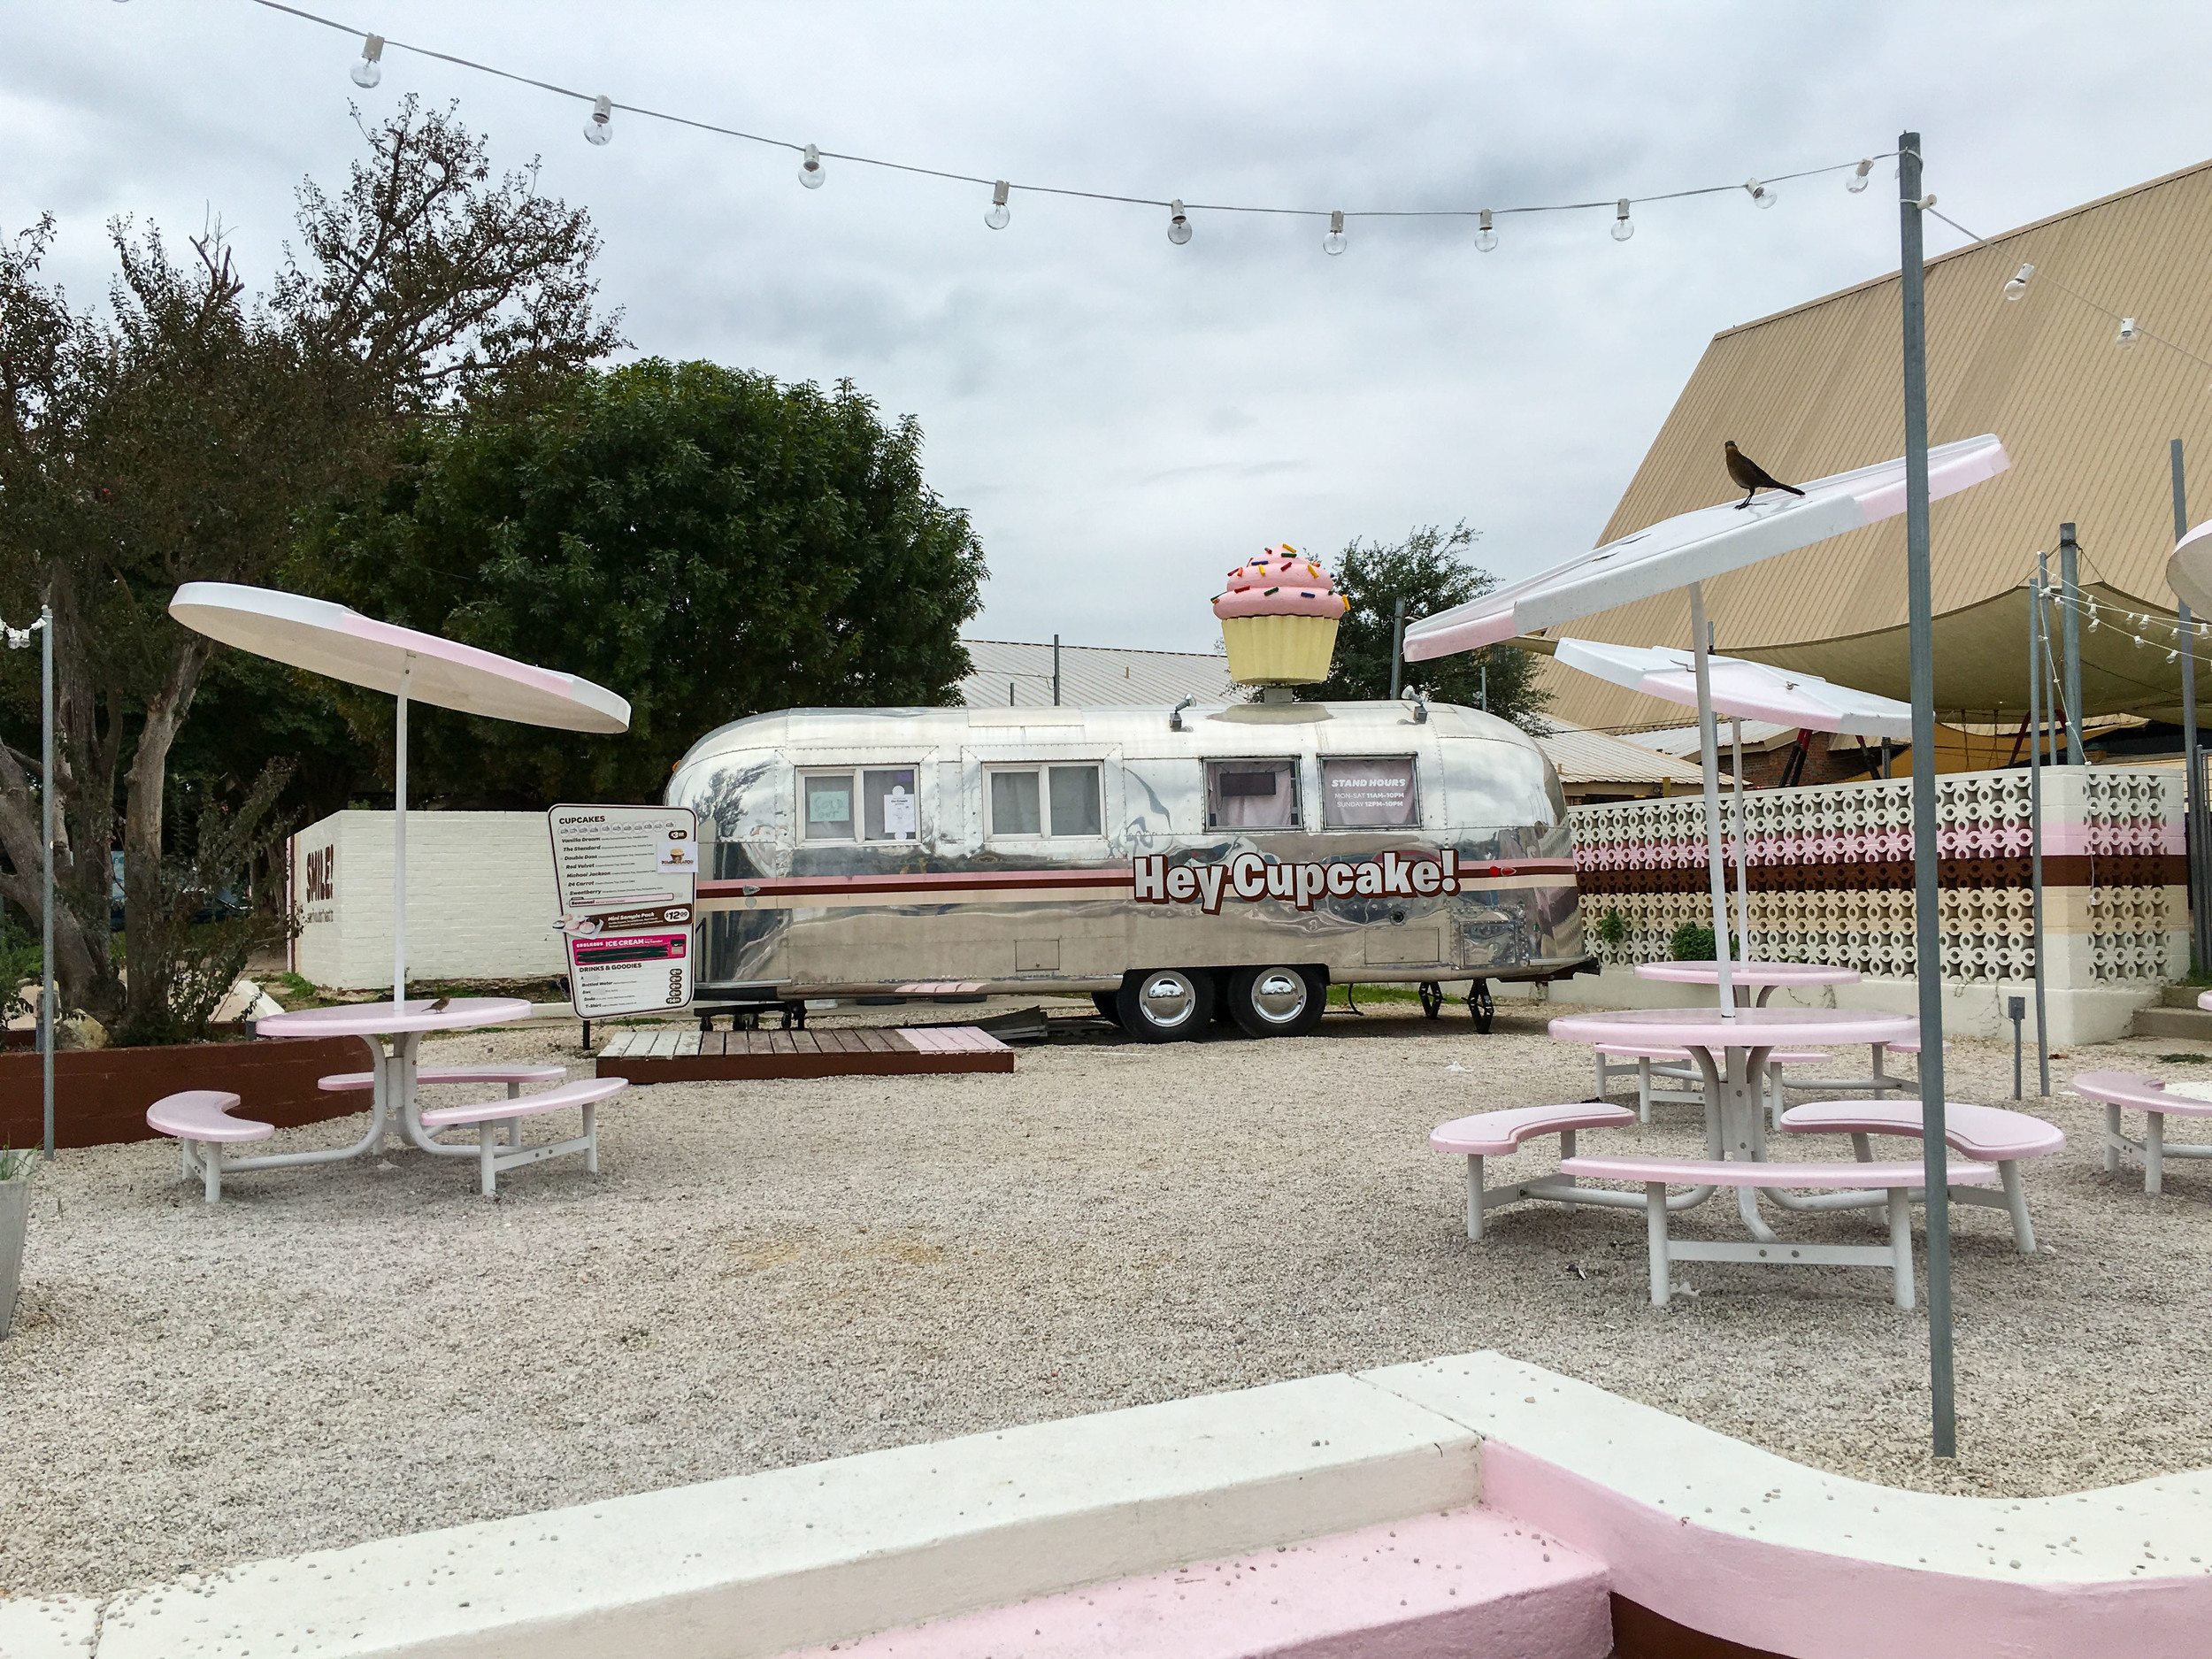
(1750, 477)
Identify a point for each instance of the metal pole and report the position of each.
(399, 843)
(46, 863)
(2069, 637)
(1486, 682)
(1055, 671)
(1919, 586)
(1397, 646)
(2037, 653)
(2193, 789)
(1708, 746)
(1743, 880)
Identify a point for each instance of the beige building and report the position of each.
(1818, 389)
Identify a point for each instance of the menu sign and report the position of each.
(626, 877)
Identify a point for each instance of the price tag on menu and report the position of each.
(626, 877)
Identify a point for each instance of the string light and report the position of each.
(2129, 333)
(370, 70)
(600, 132)
(1336, 242)
(1623, 228)
(997, 217)
(2018, 285)
(1178, 224)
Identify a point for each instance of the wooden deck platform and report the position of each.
(692, 1056)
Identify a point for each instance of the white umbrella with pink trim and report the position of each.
(1681, 552)
(330, 638)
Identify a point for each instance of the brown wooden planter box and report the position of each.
(101, 1094)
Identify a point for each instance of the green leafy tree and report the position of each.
(1430, 572)
(700, 540)
(188, 430)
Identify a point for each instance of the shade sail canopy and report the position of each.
(1695, 546)
(330, 638)
(1743, 690)
(1981, 657)
(2189, 572)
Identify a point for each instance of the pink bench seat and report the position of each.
(200, 1118)
(1656, 1175)
(1992, 1133)
(488, 1114)
(1495, 1134)
(2129, 1091)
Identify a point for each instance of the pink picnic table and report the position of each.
(1731, 1050)
(392, 1034)
(1766, 977)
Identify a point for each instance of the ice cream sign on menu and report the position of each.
(626, 877)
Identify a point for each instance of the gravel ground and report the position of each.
(769, 1273)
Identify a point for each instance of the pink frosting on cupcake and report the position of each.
(1281, 582)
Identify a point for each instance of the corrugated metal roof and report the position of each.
(1019, 672)
(1818, 389)
(1583, 756)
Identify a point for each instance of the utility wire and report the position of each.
(1046, 189)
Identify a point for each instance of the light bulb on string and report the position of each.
(1623, 227)
(1178, 224)
(1485, 238)
(600, 130)
(2017, 287)
(1336, 242)
(370, 70)
(997, 217)
(810, 173)
(2129, 334)
(1856, 182)
(1762, 195)
(2139, 641)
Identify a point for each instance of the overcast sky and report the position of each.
(1123, 417)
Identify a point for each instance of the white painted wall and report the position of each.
(480, 898)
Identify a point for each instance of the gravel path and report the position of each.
(769, 1273)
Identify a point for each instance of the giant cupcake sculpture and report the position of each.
(1279, 619)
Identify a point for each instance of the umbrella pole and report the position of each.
(1743, 878)
(399, 843)
(1708, 751)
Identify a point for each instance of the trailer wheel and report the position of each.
(1166, 1004)
(1432, 998)
(1276, 1001)
(1480, 1005)
(1107, 1003)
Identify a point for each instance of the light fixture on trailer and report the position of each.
(370, 70)
(1178, 224)
(1623, 227)
(997, 217)
(1485, 238)
(600, 129)
(810, 169)
(1336, 242)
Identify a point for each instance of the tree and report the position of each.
(188, 432)
(1429, 570)
(698, 539)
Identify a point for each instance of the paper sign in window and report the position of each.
(890, 811)
(829, 809)
(1368, 794)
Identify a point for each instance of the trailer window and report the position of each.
(881, 807)
(829, 805)
(890, 812)
(1045, 800)
(1251, 793)
(1369, 794)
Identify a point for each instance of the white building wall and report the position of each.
(480, 898)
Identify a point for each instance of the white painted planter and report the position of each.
(15, 1208)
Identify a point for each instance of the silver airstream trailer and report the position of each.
(1174, 864)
